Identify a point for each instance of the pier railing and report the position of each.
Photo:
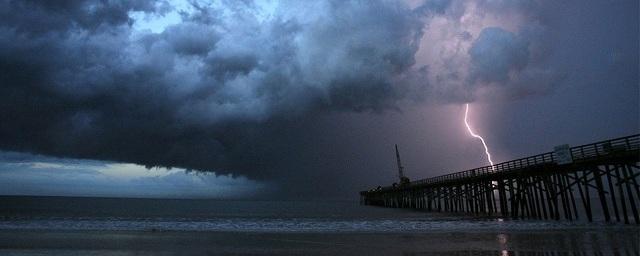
(546, 186)
(605, 148)
(508, 166)
(578, 153)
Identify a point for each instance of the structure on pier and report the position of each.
(553, 185)
(403, 180)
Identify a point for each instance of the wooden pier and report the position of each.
(569, 183)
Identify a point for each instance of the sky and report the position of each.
(300, 99)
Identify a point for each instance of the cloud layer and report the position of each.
(78, 81)
(26, 174)
(248, 88)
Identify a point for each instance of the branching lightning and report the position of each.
(486, 149)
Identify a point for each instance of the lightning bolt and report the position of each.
(486, 149)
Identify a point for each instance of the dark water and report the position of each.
(75, 213)
(38, 225)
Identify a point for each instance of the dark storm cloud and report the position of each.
(58, 16)
(191, 38)
(497, 52)
(489, 50)
(233, 90)
(209, 93)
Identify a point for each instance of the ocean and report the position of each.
(55, 225)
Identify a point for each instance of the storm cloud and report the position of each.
(496, 53)
(77, 81)
(248, 88)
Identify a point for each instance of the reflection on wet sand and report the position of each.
(614, 241)
(626, 252)
(569, 243)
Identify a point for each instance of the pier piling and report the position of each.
(544, 186)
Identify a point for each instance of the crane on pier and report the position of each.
(404, 181)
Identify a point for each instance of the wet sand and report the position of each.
(575, 242)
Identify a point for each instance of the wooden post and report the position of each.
(513, 199)
(612, 192)
(524, 202)
(503, 198)
(563, 199)
(631, 198)
(621, 193)
(553, 196)
(467, 195)
(539, 188)
(571, 196)
(527, 194)
(493, 197)
(534, 191)
(603, 201)
(566, 191)
(438, 197)
(588, 197)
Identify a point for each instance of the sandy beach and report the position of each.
(579, 242)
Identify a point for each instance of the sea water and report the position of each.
(102, 226)
(78, 213)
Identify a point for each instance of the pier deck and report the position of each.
(553, 185)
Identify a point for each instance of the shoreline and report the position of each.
(612, 228)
